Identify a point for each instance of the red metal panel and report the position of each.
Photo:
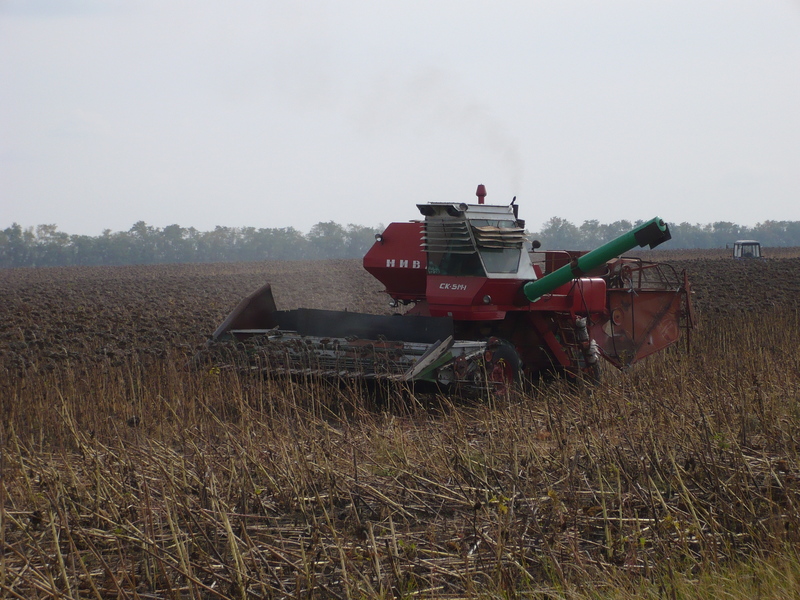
(447, 290)
(581, 296)
(399, 262)
(555, 259)
(588, 295)
(639, 324)
(461, 298)
(443, 289)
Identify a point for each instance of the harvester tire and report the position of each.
(503, 366)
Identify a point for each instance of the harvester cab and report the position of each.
(479, 307)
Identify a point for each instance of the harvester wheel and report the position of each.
(503, 365)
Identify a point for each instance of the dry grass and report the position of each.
(153, 481)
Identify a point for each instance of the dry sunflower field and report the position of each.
(126, 474)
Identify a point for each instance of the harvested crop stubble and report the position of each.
(124, 475)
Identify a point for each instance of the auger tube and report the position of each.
(652, 233)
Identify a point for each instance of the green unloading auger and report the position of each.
(652, 233)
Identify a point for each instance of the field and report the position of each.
(126, 474)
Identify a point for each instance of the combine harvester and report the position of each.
(482, 308)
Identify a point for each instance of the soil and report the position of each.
(73, 315)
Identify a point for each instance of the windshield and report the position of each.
(501, 260)
(472, 248)
(747, 250)
(448, 263)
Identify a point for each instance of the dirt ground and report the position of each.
(77, 314)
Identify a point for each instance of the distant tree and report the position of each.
(327, 240)
(16, 246)
(291, 244)
(218, 245)
(142, 246)
(792, 233)
(686, 235)
(51, 246)
(589, 232)
(115, 248)
(560, 234)
(614, 230)
(45, 245)
(84, 250)
(172, 245)
(725, 232)
(359, 240)
(771, 233)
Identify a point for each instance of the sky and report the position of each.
(278, 113)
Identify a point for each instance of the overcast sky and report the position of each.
(288, 113)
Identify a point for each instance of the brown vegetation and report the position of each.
(123, 474)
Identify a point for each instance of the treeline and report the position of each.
(559, 233)
(45, 245)
(142, 244)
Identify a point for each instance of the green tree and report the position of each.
(560, 234)
(51, 246)
(327, 240)
(173, 245)
(590, 233)
(289, 243)
(84, 250)
(16, 246)
(359, 240)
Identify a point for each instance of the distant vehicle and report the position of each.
(746, 249)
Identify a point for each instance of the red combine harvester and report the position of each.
(482, 307)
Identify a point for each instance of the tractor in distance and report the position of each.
(746, 249)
